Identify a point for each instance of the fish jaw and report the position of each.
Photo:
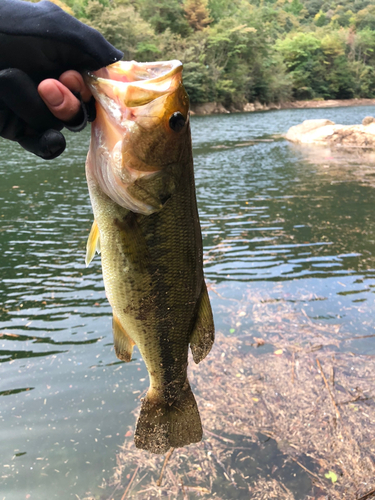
(136, 144)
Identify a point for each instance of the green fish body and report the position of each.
(141, 183)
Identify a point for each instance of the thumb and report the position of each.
(59, 99)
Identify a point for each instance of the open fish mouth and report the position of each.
(141, 128)
(132, 71)
(126, 85)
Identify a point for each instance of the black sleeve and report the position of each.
(44, 41)
(39, 41)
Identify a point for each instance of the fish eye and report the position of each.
(177, 121)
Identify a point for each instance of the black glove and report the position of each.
(39, 41)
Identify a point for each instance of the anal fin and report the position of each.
(93, 243)
(122, 342)
(203, 334)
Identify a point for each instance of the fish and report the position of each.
(146, 227)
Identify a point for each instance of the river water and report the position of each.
(279, 221)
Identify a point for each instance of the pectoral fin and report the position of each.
(203, 334)
(154, 189)
(122, 342)
(93, 243)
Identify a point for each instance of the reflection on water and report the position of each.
(281, 223)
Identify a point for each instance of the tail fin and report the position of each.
(162, 425)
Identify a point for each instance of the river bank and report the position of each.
(210, 108)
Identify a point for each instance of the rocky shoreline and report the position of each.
(210, 108)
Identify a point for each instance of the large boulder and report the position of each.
(310, 131)
(326, 132)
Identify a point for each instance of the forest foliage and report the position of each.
(238, 51)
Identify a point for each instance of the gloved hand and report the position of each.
(40, 41)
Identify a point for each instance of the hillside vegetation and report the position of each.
(237, 51)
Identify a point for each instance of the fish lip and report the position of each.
(109, 73)
(130, 85)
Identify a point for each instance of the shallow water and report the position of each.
(280, 222)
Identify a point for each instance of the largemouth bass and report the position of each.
(141, 182)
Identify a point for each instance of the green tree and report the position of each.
(320, 19)
(125, 29)
(339, 78)
(221, 9)
(295, 7)
(165, 14)
(303, 57)
(365, 18)
(342, 16)
(313, 6)
(79, 6)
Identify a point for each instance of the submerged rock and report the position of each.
(367, 120)
(326, 132)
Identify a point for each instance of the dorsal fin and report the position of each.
(93, 243)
